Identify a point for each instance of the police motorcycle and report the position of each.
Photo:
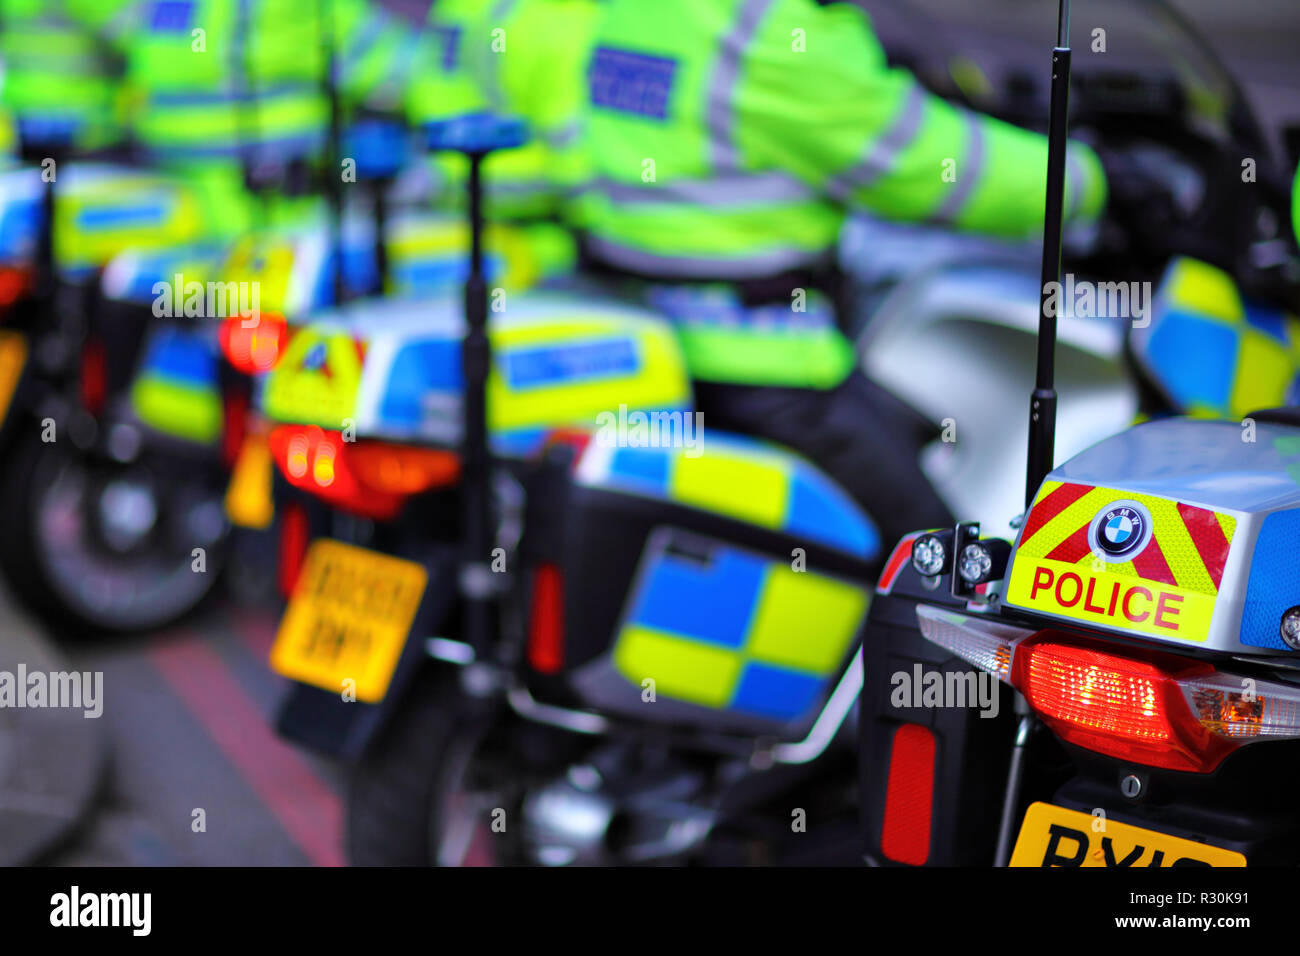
(1113, 687)
(400, 733)
(64, 217)
(507, 596)
(137, 455)
(117, 468)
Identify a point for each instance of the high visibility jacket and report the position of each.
(728, 139)
(213, 82)
(212, 79)
(520, 58)
(59, 74)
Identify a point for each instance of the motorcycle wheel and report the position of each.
(425, 793)
(57, 558)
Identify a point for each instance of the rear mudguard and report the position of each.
(322, 720)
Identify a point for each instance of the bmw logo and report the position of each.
(1119, 531)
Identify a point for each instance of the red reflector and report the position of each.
(294, 534)
(1130, 706)
(909, 799)
(94, 376)
(546, 627)
(902, 554)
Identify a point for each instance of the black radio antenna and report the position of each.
(333, 147)
(1042, 403)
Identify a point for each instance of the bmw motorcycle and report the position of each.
(642, 697)
(1113, 687)
(131, 449)
(62, 222)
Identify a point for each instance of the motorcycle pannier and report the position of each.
(711, 581)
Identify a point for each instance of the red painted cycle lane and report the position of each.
(304, 806)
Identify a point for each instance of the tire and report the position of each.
(401, 790)
(50, 555)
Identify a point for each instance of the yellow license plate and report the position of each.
(1054, 836)
(348, 619)
(13, 356)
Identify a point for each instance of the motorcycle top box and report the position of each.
(392, 369)
(1175, 531)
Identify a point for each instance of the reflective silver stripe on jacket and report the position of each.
(753, 265)
(968, 174)
(491, 66)
(716, 192)
(884, 149)
(721, 119)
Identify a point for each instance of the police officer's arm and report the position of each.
(830, 110)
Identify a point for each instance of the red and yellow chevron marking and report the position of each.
(1167, 590)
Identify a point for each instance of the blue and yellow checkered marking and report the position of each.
(751, 481)
(1214, 353)
(177, 389)
(738, 632)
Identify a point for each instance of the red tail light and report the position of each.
(254, 345)
(1147, 706)
(1131, 706)
(369, 478)
(93, 381)
(401, 469)
(546, 626)
(294, 538)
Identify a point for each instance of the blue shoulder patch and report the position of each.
(171, 16)
(630, 82)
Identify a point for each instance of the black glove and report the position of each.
(1155, 200)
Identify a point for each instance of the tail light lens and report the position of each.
(254, 345)
(370, 478)
(546, 625)
(1147, 707)
(400, 469)
(1128, 708)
